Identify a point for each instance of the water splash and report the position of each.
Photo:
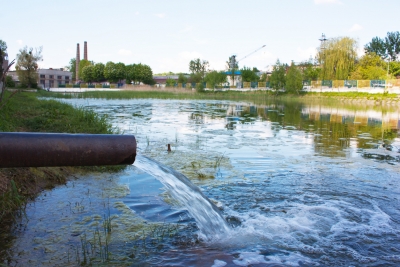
(208, 217)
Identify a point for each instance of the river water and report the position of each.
(299, 185)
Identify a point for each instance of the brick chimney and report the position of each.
(85, 55)
(78, 60)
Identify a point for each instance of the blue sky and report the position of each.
(166, 35)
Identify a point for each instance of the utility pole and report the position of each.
(323, 40)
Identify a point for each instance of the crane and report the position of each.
(233, 62)
(252, 53)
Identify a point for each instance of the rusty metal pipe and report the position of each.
(54, 149)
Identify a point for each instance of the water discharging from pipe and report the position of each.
(208, 218)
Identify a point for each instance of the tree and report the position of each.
(110, 72)
(98, 72)
(198, 66)
(294, 79)
(130, 73)
(72, 68)
(170, 82)
(377, 46)
(277, 78)
(215, 78)
(232, 66)
(394, 69)
(88, 73)
(337, 58)
(370, 67)
(82, 64)
(249, 75)
(182, 78)
(120, 71)
(3, 54)
(27, 65)
(140, 73)
(195, 78)
(9, 81)
(309, 71)
(385, 48)
(392, 41)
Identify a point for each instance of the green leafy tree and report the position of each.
(370, 67)
(294, 79)
(199, 67)
(144, 74)
(394, 69)
(3, 53)
(72, 68)
(310, 71)
(377, 46)
(389, 47)
(27, 65)
(264, 77)
(110, 72)
(195, 78)
(9, 81)
(337, 58)
(278, 76)
(82, 64)
(392, 41)
(170, 82)
(88, 74)
(131, 73)
(98, 72)
(182, 78)
(249, 75)
(215, 78)
(120, 71)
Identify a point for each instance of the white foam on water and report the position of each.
(248, 258)
(218, 263)
(310, 229)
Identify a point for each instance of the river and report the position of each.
(298, 184)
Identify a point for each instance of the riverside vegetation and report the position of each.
(25, 113)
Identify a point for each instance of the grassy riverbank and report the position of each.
(160, 93)
(25, 113)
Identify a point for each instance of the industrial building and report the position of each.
(48, 78)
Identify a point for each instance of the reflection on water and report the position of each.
(290, 178)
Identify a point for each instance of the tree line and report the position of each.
(337, 59)
(113, 72)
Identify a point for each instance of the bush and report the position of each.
(10, 82)
(200, 87)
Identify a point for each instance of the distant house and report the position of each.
(48, 78)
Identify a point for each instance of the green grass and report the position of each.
(24, 112)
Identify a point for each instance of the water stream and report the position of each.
(208, 218)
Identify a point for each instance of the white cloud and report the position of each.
(19, 42)
(305, 54)
(319, 2)
(137, 13)
(160, 15)
(124, 52)
(355, 27)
